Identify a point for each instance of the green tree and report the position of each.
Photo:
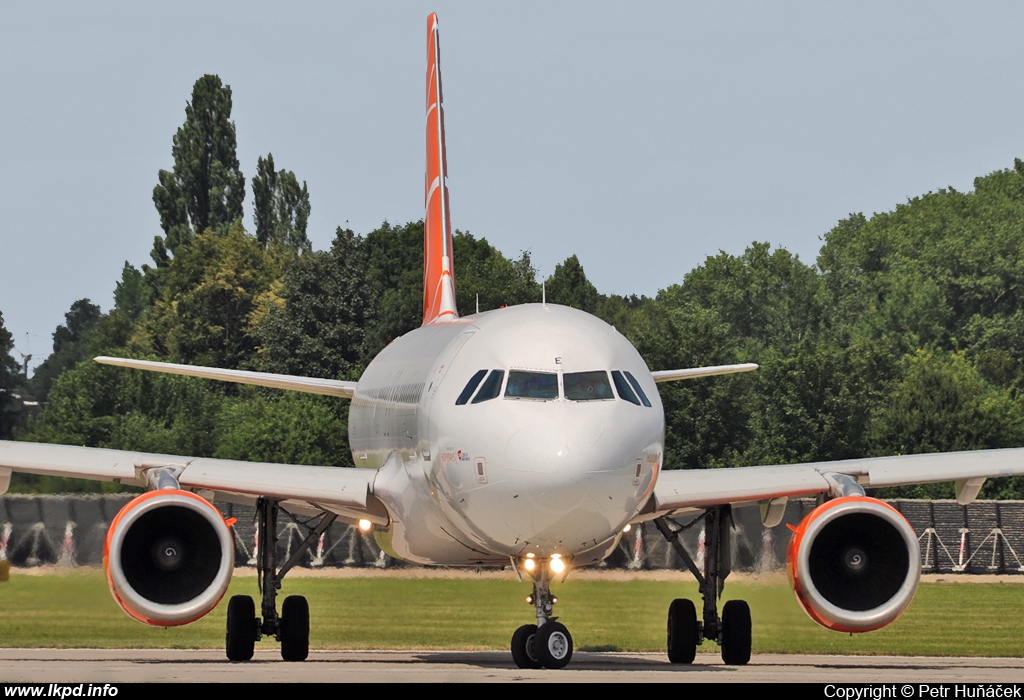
(72, 343)
(131, 295)
(280, 207)
(569, 286)
(209, 295)
(395, 267)
(481, 270)
(206, 188)
(9, 407)
(284, 427)
(320, 328)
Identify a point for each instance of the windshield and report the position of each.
(587, 386)
(532, 385)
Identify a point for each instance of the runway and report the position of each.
(210, 666)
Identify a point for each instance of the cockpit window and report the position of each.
(491, 387)
(474, 382)
(532, 385)
(622, 387)
(636, 385)
(587, 386)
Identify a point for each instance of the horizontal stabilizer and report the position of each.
(671, 375)
(310, 385)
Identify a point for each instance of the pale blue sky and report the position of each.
(642, 137)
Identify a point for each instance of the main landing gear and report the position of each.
(291, 627)
(547, 644)
(732, 629)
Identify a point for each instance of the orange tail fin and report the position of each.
(438, 283)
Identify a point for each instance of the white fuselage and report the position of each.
(539, 467)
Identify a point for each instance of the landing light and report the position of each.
(557, 565)
(365, 525)
(627, 528)
(529, 564)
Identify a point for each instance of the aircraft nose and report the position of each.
(568, 461)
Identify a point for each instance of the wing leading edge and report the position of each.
(699, 488)
(309, 385)
(344, 490)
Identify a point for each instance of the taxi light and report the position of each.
(529, 565)
(627, 528)
(365, 525)
(557, 565)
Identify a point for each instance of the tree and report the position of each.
(206, 187)
(131, 296)
(281, 208)
(569, 286)
(320, 329)
(71, 344)
(8, 382)
(481, 270)
(395, 268)
(209, 294)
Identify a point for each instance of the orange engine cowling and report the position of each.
(854, 564)
(169, 556)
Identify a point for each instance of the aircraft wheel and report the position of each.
(523, 652)
(682, 631)
(553, 645)
(295, 628)
(241, 635)
(736, 633)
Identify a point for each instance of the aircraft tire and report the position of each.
(295, 628)
(523, 652)
(240, 641)
(682, 631)
(736, 633)
(553, 645)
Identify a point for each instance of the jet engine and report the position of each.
(854, 564)
(169, 556)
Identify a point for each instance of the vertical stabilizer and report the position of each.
(438, 283)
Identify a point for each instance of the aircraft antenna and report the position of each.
(543, 294)
(478, 302)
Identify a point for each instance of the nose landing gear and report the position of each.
(547, 644)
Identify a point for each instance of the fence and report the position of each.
(984, 537)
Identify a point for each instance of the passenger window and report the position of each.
(532, 385)
(636, 385)
(470, 388)
(587, 386)
(491, 387)
(622, 387)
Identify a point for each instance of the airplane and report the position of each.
(530, 437)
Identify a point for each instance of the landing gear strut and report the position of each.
(547, 644)
(732, 629)
(291, 628)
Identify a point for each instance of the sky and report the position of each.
(641, 137)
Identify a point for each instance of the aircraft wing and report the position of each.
(679, 490)
(345, 491)
(310, 385)
(671, 375)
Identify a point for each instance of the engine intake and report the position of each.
(169, 557)
(854, 564)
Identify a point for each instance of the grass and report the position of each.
(74, 609)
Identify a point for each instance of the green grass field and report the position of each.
(74, 609)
